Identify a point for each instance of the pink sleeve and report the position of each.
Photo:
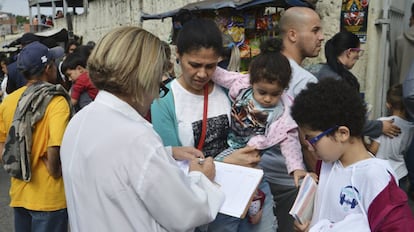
(283, 131)
(233, 81)
(292, 151)
(289, 146)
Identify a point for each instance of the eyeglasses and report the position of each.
(359, 50)
(311, 142)
(163, 90)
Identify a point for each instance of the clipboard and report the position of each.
(239, 184)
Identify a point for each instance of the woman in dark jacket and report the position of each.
(342, 51)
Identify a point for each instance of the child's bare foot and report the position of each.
(256, 207)
(254, 219)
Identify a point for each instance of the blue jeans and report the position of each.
(268, 222)
(40, 221)
(284, 197)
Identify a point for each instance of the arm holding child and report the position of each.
(233, 81)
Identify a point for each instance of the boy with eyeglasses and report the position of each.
(356, 191)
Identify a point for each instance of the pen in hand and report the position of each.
(204, 165)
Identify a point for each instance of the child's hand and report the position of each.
(297, 175)
(314, 176)
(301, 227)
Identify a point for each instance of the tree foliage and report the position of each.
(20, 20)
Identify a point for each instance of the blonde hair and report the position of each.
(128, 61)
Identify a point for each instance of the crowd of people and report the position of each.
(91, 135)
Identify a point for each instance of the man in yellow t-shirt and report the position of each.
(39, 200)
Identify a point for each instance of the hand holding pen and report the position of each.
(204, 165)
(197, 160)
(201, 160)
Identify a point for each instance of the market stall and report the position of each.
(248, 22)
(59, 36)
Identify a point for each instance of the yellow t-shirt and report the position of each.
(43, 192)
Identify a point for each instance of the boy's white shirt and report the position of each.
(336, 194)
(352, 222)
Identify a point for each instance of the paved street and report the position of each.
(6, 213)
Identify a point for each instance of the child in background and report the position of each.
(82, 91)
(356, 191)
(395, 149)
(260, 114)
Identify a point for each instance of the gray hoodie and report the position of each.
(404, 54)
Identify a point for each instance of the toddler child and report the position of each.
(82, 91)
(395, 149)
(260, 114)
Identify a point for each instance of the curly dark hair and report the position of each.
(328, 103)
(270, 65)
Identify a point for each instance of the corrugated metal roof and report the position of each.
(207, 5)
(218, 4)
(58, 3)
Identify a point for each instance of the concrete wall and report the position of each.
(365, 68)
(370, 72)
(104, 15)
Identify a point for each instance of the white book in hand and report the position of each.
(302, 209)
